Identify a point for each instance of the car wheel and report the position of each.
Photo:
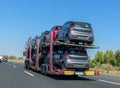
(67, 40)
(76, 42)
(63, 66)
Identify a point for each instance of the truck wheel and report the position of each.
(45, 71)
(42, 70)
(28, 67)
(25, 67)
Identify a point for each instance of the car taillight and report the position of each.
(56, 31)
(67, 57)
(91, 38)
(92, 31)
(87, 65)
(88, 57)
(68, 64)
(73, 36)
(71, 28)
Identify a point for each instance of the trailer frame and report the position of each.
(49, 68)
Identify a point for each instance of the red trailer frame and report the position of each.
(51, 71)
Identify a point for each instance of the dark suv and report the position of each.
(57, 62)
(43, 37)
(76, 32)
(70, 59)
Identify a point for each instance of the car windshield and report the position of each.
(82, 25)
(77, 52)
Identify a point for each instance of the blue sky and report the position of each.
(20, 19)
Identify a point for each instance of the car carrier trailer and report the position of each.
(35, 61)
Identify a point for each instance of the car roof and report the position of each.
(78, 22)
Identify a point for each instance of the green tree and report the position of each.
(12, 57)
(20, 57)
(117, 56)
(99, 57)
(110, 57)
(92, 63)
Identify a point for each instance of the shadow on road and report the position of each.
(62, 77)
(65, 77)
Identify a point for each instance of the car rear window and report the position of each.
(82, 25)
(77, 52)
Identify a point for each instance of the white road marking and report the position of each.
(29, 73)
(109, 82)
(110, 75)
(14, 66)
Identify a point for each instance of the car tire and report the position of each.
(67, 40)
(63, 66)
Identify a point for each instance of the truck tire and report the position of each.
(28, 67)
(44, 70)
(25, 67)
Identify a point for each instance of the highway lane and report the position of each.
(13, 75)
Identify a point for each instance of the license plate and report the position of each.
(79, 65)
(79, 73)
(84, 38)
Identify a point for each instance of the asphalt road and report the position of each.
(13, 75)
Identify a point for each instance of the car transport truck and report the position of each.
(58, 58)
